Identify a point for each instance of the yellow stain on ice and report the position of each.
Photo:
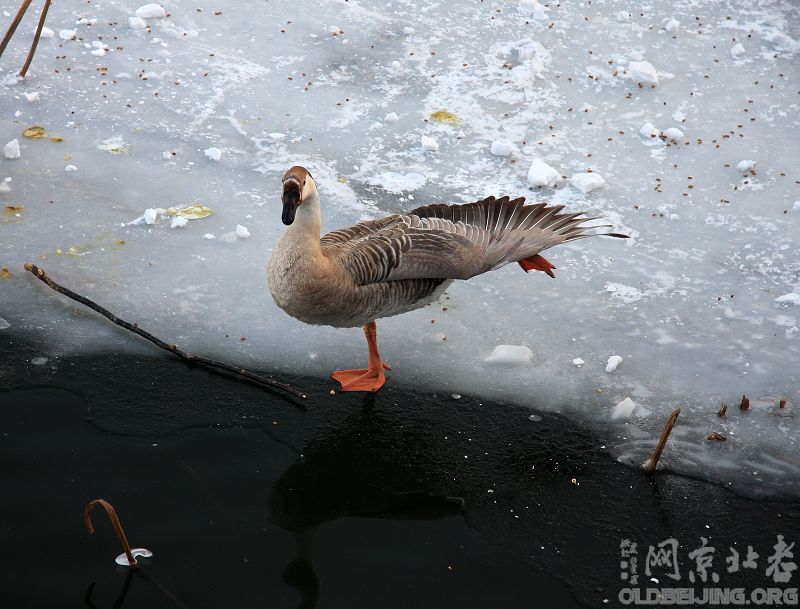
(445, 116)
(35, 132)
(5, 273)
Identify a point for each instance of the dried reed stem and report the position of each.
(112, 515)
(38, 35)
(13, 27)
(651, 467)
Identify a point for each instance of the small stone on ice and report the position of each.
(70, 168)
(215, 154)
(150, 215)
(137, 23)
(242, 232)
(151, 11)
(623, 410)
(429, 144)
(66, 34)
(673, 134)
(541, 174)
(737, 50)
(587, 182)
(745, 165)
(178, 222)
(501, 148)
(509, 354)
(613, 362)
(578, 362)
(11, 150)
(643, 72)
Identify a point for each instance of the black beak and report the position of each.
(291, 200)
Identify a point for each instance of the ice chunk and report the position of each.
(673, 134)
(737, 50)
(672, 26)
(242, 232)
(70, 168)
(430, 144)
(392, 117)
(137, 23)
(215, 154)
(4, 188)
(796, 205)
(229, 237)
(541, 174)
(623, 410)
(623, 16)
(33, 96)
(122, 559)
(38, 361)
(66, 34)
(578, 362)
(11, 150)
(533, 6)
(178, 222)
(587, 182)
(643, 72)
(151, 11)
(500, 148)
(649, 130)
(209, 236)
(4, 325)
(150, 215)
(47, 32)
(99, 52)
(509, 354)
(790, 298)
(535, 418)
(613, 362)
(746, 165)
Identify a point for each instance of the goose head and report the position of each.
(298, 187)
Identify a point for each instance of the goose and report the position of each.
(350, 277)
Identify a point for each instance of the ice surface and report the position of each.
(691, 300)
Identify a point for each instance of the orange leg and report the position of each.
(369, 379)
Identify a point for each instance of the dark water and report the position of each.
(248, 500)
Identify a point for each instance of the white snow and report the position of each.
(177, 222)
(746, 165)
(613, 362)
(242, 232)
(623, 410)
(578, 362)
(151, 11)
(66, 34)
(541, 174)
(587, 182)
(791, 298)
(137, 23)
(429, 144)
(11, 150)
(643, 72)
(509, 354)
(500, 148)
(215, 154)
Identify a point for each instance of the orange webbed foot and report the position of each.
(369, 379)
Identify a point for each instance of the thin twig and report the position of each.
(39, 27)
(13, 27)
(651, 467)
(187, 357)
(112, 515)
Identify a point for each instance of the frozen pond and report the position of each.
(697, 302)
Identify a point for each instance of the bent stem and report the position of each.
(651, 467)
(13, 27)
(38, 35)
(112, 516)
